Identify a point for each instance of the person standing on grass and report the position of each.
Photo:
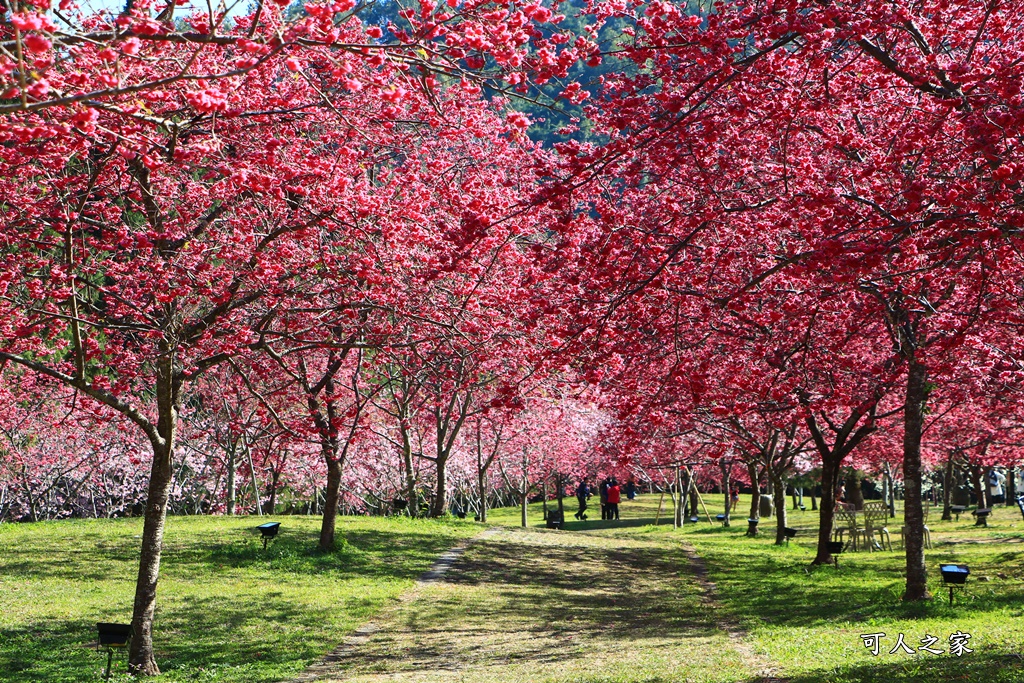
(996, 484)
(631, 488)
(735, 498)
(603, 490)
(582, 493)
(614, 495)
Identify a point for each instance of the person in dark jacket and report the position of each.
(631, 489)
(614, 495)
(582, 494)
(603, 488)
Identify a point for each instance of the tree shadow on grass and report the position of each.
(100, 550)
(360, 553)
(538, 604)
(236, 630)
(53, 651)
(592, 524)
(638, 590)
(257, 631)
(90, 563)
(774, 585)
(193, 635)
(386, 555)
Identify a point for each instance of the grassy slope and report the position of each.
(808, 625)
(227, 609)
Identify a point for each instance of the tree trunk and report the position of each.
(544, 497)
(523, 503)
(412, 507)
(913, 422)
(560, 491)
(275, 479)
(726, 487)
(947, 489)
(441, 492)
(755, 499)
(255, 484)
(677, 499)
(231, 481)
(481, 479)
(141, 658)
(33, 515)
(891, 500)
(827, 509)
(814, 501)
(780, 509)
(978, 480)
(331, 495)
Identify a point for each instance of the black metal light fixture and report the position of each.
(268, 531)
(982, 515)
(752, 523)
(789, 533)
(954, 575)
(556, 520)
(835, 548)
(957, 509)
(113, 636)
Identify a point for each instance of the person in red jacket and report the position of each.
(614, 495)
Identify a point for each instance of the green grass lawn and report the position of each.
(619, 603)
(807, 622)
(227, 610)
(533, 606)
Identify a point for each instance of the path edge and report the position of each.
(763, 670)
(362, 634)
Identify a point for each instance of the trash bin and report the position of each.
(765, 508)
